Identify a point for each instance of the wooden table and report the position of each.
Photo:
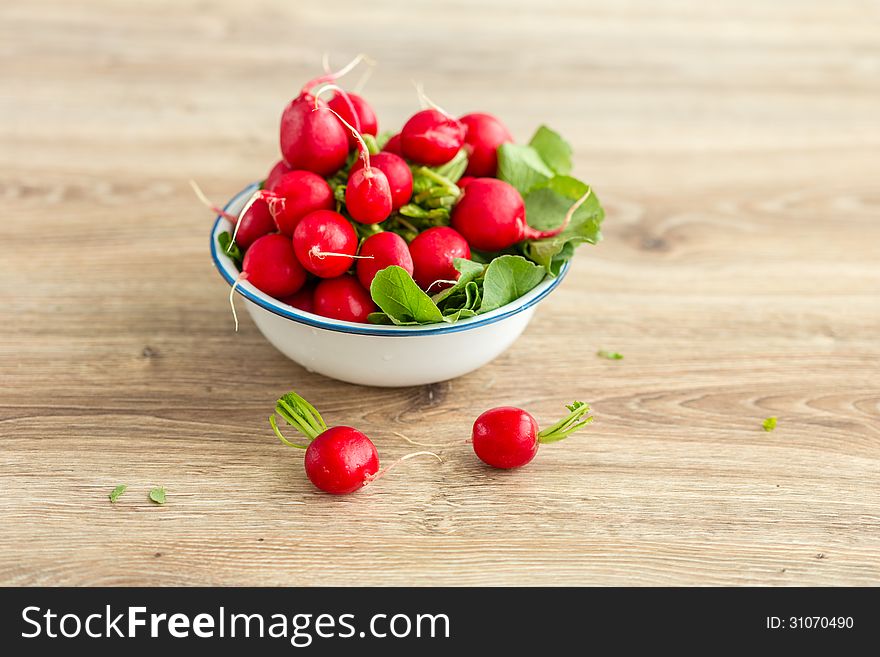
(735, 147)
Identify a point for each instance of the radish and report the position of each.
(338, 460)
(254, 222)
(491, 216)
(275, 173)
(433, 253)
(431, 137)
(386, 249)
(484, 135)
(325, 243)
(343, 298)
(314, 141)
(298, 193)
(363, 118)
(271, 266)
(464, 181)
(393, 146)
(508, 437)
(303, 300)
(367, 192)
(399, 175)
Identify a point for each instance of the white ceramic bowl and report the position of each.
(374, 355)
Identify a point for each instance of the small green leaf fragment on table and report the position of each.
(117, 492)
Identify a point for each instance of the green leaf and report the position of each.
(553, 149)
(469, 271)
(454, 169)
(397, 294)
(463, 304)
(379, 317)
(158, 495)
(464, 313)
(610, 355)
(507, 278)
(372, 144)
(769, 424)
(116, 492)
(230, 248)
(548, 205)
(522, 167)
(383, 138)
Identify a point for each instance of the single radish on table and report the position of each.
(343, 298)
(431, 137)
(508, 437)
(296, 194)
(325, 243)
(314, 141)
(338, 460)
(380, 251)
(433, 253)
(398, 173)
(363, 117)
(491, 215)
(484, 134)
(281, 167)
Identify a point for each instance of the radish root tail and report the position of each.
(441, 280)
(318, 253)
(247, 206)
(241, 277)
(346, 99)
(362, 145)
(208, 204)
(427, 102)
(386, 470)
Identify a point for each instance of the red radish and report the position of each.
(270, 265)
(491, 216)
(363, 118)
(325, 243)
(314, 141)
(367, 192)
(431, 137)
(393, 146)
(302, 300)
(464, 181)
(368, 196)
(338, 460)
(277, 171)
(508, 437)
(484, 135)
(341, 460)
(398, 173)
(433, 253)
(343, 298)
(386, 249)
(254, 222)
(299, 192)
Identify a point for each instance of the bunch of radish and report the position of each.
(344, 202)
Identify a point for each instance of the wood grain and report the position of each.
(735, 146)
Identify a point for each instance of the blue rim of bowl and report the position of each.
(283, 310)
